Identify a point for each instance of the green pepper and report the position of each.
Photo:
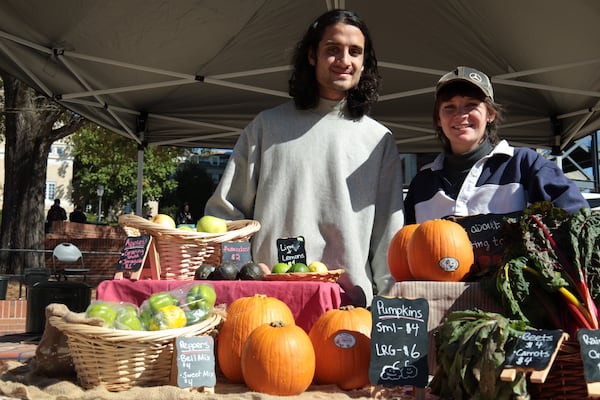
(198, 314)
(145, 317)
(104, 311)
(160, 300)
(128, 320)
(199, 295)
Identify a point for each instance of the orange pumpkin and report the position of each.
(440, 250)
(243, 316)
(278, 359)
(397, 253)
(342, 342)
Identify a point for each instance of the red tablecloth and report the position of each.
(307, 300)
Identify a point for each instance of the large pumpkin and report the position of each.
(243, 316)
(278, 359)
(440, 250)
(397, 253)
(342, 342)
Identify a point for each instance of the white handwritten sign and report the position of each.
(399, 342)
(195, 361)
(291, 250)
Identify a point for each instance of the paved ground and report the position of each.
(18, 347)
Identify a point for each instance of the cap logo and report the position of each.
(475, 76)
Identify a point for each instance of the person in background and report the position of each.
(56, 212)
(319, 166)
(184, 216)
(78, 216)
(477, 173)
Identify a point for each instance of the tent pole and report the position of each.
(140, 175)
(141, 129)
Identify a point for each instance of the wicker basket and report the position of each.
(330, 276)
(181, 252)
(119, 359)
(566, 378)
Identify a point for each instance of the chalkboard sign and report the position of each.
(238, 253)
(399, 342)
(134, 253)
(533, 350)
(195, 361)
(486, 234)
(291, 250)
(589, 342)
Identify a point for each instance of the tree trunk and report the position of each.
(30, 119)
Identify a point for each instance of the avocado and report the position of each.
(251, 272)
(203, 271)
(226, 271)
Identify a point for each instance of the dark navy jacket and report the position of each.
(506, 180)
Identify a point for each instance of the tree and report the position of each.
(108, 159)
(32, 123)
(193, 186)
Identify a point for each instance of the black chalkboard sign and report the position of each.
(589, 342)
(195, 361)
(534, 350)
(399, 342)
(291, 250)
(486, 234)
(238, 253)
(134, 253)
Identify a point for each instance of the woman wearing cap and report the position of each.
(477, 173)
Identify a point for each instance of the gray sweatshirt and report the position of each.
(313, 173)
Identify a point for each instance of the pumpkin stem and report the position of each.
(347, 307)
(277, 324)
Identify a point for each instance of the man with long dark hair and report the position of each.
(318, 166)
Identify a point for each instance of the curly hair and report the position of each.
(303, 85)
(467, 90)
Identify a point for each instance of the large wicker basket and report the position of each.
(181, 252)
(566, 377)
(119, 359)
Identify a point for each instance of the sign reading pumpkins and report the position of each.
(399, 342)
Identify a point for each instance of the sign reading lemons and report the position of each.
(291, 250)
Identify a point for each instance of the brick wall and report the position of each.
(13, 315)
(100, 245)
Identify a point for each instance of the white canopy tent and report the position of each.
(194, 73)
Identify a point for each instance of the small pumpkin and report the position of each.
(397, 253)
(440, 250)
(243, 316)
(342, 342)
(278, 359)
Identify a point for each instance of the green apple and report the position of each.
(210, 224)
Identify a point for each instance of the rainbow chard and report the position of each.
(557, 258)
